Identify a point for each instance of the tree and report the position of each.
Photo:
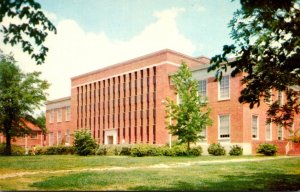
(31, 29)
(186, 119)
(266, 38)
(20, 94)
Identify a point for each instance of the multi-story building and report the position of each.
(122, 104)
(58, 122)
(236, 123)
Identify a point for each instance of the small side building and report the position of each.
(58, 122)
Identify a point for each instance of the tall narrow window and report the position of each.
(280, 98)
(254, 127)
(268, 132)
(224, 126)
(224, 88)
(51, 116)
(204, 134)
(59, 115)
(202, 89)
(68, 113)
(280, 133)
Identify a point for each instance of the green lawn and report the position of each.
(133, 173)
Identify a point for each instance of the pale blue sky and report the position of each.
(93, 34)
(204, 22)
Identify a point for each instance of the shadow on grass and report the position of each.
(239, 182)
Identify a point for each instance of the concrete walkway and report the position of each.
(155, 166)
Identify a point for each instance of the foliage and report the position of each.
(267, 149)
(40, 121)
(52, 150)
(216, 149)
(15, 150)
(140, 150)
(84, 143)
(195, 151)
(20, 95)
(188, 118)
(236, 150)
(267, 49)
(28, 26)
(295, 138)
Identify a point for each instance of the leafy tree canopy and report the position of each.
(20, 95)
(266, 48)
(30, 30)
(190, 116)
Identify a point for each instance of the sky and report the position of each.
(92, 34)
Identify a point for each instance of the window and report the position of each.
(33, 135)
(59, 115)
(224, 88)
(68, 136)
(280, 98)
(51, 116)
(51, 138)
(224, 126)
(202, 89)
(268, 132)
(204, 133)
(280, 133)
(59, 138)
(254, 127)
(68, 113)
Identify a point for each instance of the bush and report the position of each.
(267, 149)
(155, 151)
(216, 149)
(53, 150)
(139, 150)
(83, 142)
(195, 151)
(169, 152)
(126, 150)
(236, 150)
(180, 150)
(15, 149)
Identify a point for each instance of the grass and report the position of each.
(278, 174)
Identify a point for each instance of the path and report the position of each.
(155, 166)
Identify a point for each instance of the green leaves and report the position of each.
(185, 119)
(20, 94)
(267, 52)
(32, 31)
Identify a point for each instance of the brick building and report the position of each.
(122, 104)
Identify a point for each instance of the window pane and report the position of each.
(224, 126)
(254, 126)
(268, 131)
(224, 88)
(202, 88)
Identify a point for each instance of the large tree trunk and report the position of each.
(188, 147)
(7, 150)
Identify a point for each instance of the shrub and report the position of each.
(101, 150)
(267, 149)
(126, 150)
(180, 150)
(236, 150)
(195, 151)
(15, 149)
(139, 150)
(216, 149)
(169, 151)
(83, 142)
(155, 151)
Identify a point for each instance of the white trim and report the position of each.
(219, 93)
(127, 72)
(229, 127)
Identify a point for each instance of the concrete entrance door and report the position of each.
(110, 137)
